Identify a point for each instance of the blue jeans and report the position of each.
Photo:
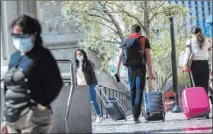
(93, 99)
(137, 85)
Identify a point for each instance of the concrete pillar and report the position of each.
(9, 12)
(28, 7)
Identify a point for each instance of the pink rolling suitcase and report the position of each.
(195, 101)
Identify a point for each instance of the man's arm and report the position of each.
(149, 62)
(119, 62)
(149, 59)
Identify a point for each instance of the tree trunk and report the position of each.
(146, 20)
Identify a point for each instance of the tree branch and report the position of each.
(114, 42)
(142, 6)
(119, 31)
(166, 80)
(157, 13)
(103, 25)
(132, 16)
(98, 16)
(96, 52)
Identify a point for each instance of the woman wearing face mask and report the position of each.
(198, 46)
(85, 75)
(32, 82)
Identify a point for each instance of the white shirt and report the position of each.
(199, 54)
(80, 75)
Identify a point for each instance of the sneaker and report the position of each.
(137, 120)
(99, 119)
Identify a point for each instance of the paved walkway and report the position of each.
(175, 123)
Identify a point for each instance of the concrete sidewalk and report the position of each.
(175, 123)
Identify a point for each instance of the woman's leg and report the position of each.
(93, 99)
(200, 72)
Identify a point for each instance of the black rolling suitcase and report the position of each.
(153, 106)
(113, 106)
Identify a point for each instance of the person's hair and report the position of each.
(84, 55)
(31, 26)
(200, 36)
(136, 28)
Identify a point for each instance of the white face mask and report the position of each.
(23, 44)
(80, 58)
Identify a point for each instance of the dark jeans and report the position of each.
(200, 73)
(137, 85)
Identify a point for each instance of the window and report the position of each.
(202, 3)
(203, 15)
(209, 4)
(182, 2)
(196, 9)
(209, 10)
(197, 17)
(209, 7)
(190, 4)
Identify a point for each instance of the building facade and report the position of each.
(199, 12)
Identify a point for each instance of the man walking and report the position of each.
(135, 54)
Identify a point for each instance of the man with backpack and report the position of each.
(135, 54)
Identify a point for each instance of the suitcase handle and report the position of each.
(191, 77)
(101, 89)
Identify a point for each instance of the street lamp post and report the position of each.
(177, 108)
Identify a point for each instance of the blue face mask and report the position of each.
(23, 44)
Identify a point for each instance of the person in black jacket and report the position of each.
(32, 82)
(85, 75)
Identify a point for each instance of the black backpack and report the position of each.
(132, 52)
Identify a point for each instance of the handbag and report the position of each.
(182, 57)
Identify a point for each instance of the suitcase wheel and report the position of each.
(146, 118)
(163, 119)
(207, 116)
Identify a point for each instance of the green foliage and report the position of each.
(183, 79)
(47, 3)
(108, 22)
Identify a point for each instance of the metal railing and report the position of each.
(72, 86)
(123, 96)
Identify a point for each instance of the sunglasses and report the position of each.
(20, 35)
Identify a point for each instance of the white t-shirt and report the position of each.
(80, 75)
(199, 54)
